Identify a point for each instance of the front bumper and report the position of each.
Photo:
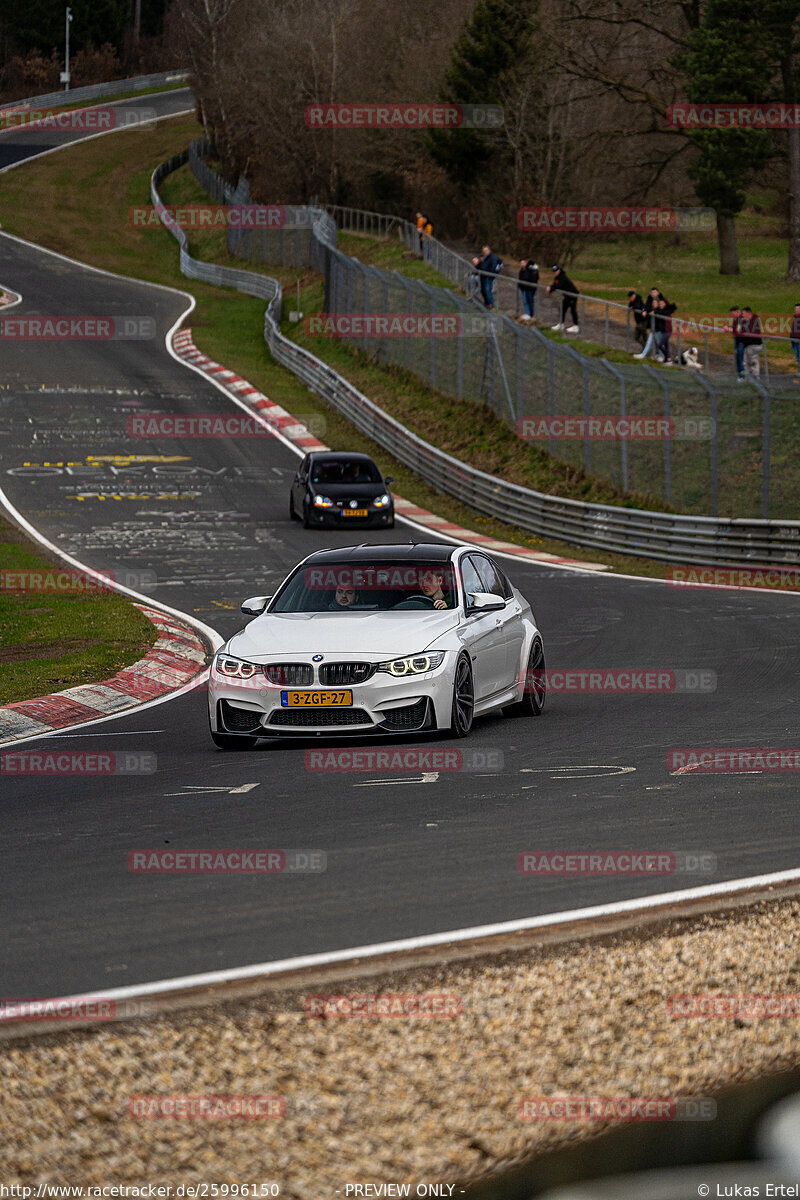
(381, 705)
(329, 518)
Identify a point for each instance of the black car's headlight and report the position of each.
(382, 501)
(236, 668)
(322, 502)
(414, 664)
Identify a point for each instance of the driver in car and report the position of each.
(431, 585)
(431, 594)
(346, 597)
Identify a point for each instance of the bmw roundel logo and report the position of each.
(316, 658)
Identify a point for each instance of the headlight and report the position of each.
(382, 501)
(235, 668)
(415, 664)
(322, 502)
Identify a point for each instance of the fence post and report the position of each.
(660, 379)
(520, 397)
(551, 395)
(623, 412)
(494, 322)
(587, 412)
(713, 450)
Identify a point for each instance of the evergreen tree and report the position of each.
(494, 39)
(727, 62)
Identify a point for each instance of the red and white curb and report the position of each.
(175, 660)
(296, 433)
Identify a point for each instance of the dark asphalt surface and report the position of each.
(21, 141)
(404, 856)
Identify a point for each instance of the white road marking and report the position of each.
(426, 777)
(602, 770)
(403, 945)
(201, 789)
(89, 137)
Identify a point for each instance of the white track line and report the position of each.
(90, 136)
(237, 974)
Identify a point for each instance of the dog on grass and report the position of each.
(688, 358)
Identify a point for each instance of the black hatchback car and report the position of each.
(336, 489)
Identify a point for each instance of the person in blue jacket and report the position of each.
(492, 265)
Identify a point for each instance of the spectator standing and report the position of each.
(663, 327)
(489, 266)
(738, 341)
(569, 296)
(796, 333)
(750, 333)
(648, 314)
(636, 305)
(528, 278)
(421, 222)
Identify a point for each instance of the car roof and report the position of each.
(339, 455)
(397, 551)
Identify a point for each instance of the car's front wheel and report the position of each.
(463, 705)
(292, 513)
(535, 690)
(306, 520)
(233, 741)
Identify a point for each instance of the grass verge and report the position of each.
(51, 640)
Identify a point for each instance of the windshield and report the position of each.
(361, 587)
(345, 472)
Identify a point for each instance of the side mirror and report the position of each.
(255, 606)
(388, 480)
(484, 602)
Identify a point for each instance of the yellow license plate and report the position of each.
(316, 699)
(355, 512)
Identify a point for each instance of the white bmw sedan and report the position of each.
(379, 639)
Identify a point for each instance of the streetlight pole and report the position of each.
(65, 76)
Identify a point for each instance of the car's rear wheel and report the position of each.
(535, 691)
(463, 706)
(233, 741)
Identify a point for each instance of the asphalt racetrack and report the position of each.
(206, 521)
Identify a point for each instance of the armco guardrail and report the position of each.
(718, 459)
(93, 91)
(664, 536)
